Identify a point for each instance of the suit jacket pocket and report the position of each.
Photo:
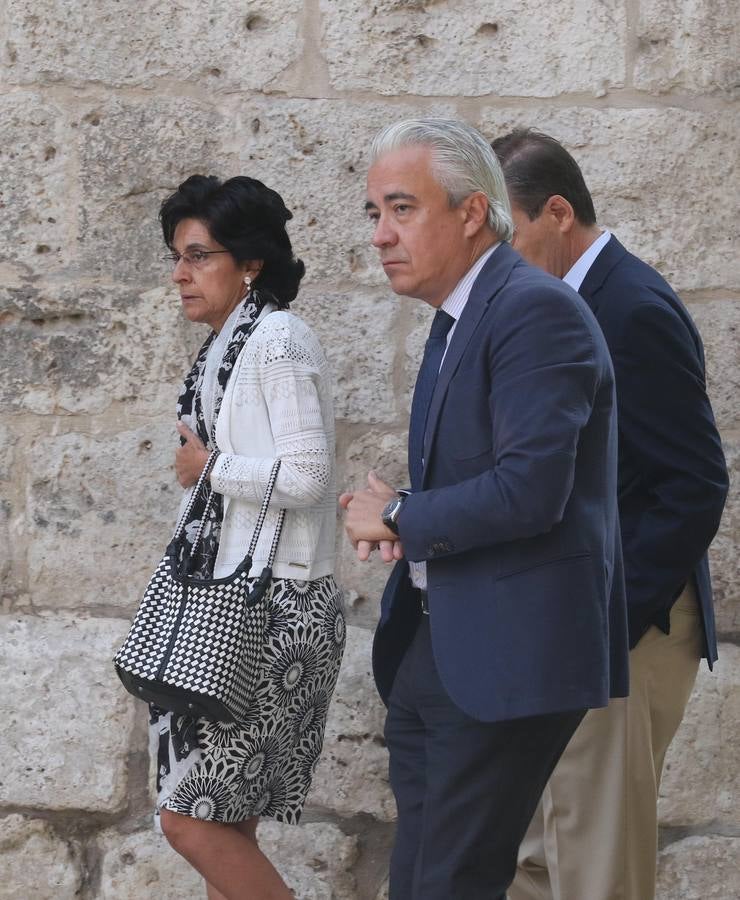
(558, 560)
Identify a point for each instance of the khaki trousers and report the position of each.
(594, 835)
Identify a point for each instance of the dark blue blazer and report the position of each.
(672, 475)
(517, 518)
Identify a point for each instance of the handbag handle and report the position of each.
(263, 513)
(201, 485)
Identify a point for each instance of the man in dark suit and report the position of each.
(594, 836)
(504, 618)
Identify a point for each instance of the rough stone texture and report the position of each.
(356, 332)
(143, 864)
(353, 772)
(317, 152)
(700, 868)
(66, 721)
(701, 782)
(472, 48)
(719, 324)
(35, 159)
(36, 862)
(687, 45)
(132, 154)
(79, 349)
(633, 170)
(100, 503)
(383, 892)
(315, 859)
(213, 47)
(723, 554)
(104, 111)
(385, 452)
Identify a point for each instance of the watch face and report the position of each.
(390, 512)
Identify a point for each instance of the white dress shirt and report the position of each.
(453, 306)
(578, 271)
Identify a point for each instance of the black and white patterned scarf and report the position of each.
(190, 409)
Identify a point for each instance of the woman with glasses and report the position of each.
(259, 389)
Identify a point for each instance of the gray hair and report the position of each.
(463, 163)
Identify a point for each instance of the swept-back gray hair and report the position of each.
(463, 162)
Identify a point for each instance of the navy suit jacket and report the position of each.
(517, 518)
(672, 475)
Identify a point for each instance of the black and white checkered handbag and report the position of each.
(195, 645)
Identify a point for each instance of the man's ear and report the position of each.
(559, 209)
(475, 206)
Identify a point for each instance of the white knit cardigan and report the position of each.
(278, 403)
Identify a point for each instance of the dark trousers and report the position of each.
(466, 790)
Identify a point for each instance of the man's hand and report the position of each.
(363, 522)
(190, 459)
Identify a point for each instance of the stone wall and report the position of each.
(105, 108)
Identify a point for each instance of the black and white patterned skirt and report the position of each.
(262, 766)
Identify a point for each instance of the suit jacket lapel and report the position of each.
(491, 279)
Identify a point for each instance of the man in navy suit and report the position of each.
(504, 617)
(594, 836)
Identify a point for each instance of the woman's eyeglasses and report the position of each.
(194, 258)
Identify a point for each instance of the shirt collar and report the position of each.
(455, 302)
(578, 271)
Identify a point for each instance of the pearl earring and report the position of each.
(248, 281)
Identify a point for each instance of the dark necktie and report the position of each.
(426, 379)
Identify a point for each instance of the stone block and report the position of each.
(657, 176)
(101, 508)
(314, 153)
(36, 157)
(315, 859)
(143, 864)
(700, 868)
(67, 720)
(719, 324)
(353, 772)
(687, 46)
(132, 155)
(356, 330)
(36, 862)
(701, 781)
(724, 558)
(219, 47)
(384, 451)
(78, 348)
(472, 48)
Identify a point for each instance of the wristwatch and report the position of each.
(392, 510)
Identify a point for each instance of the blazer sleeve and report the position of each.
(288, 379)
(667, 430)
(542, 381)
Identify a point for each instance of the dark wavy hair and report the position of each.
(248, 219)
(536, 167)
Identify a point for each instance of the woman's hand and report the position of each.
(190, 459)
